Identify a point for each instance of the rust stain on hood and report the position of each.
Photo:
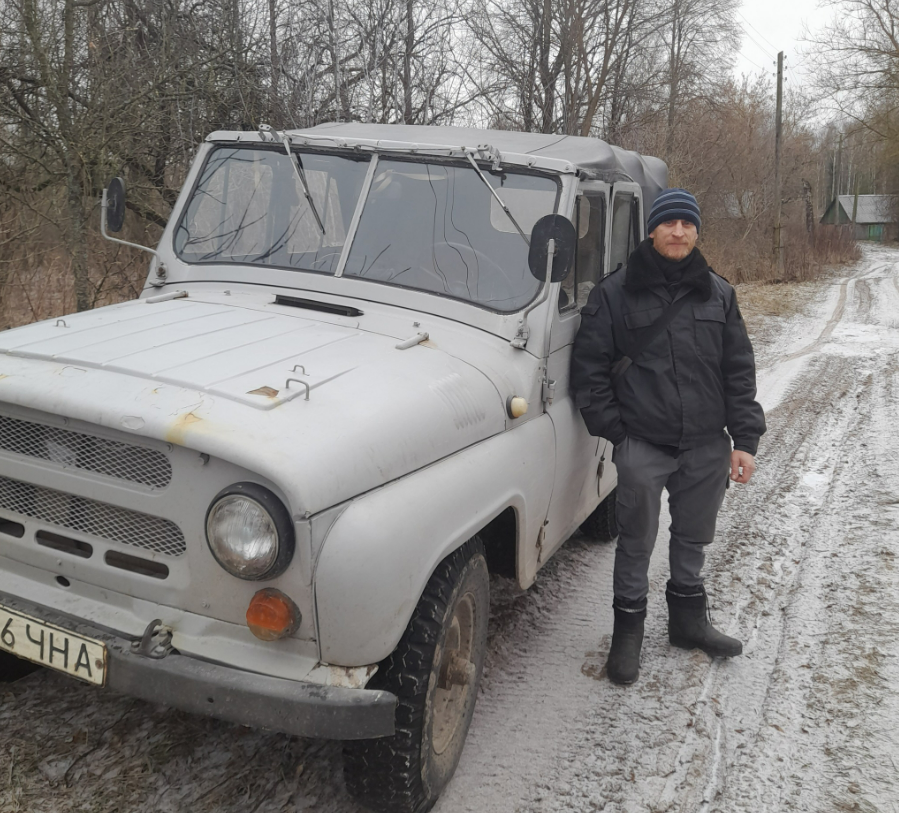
(178, 430)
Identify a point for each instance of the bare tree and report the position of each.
(855, 61)
(557, 60)
(93, 88)
(701, 36)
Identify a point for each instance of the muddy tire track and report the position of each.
(804, 571)
(825, 334)
(743, 711)
(863, 300)
(782, 715)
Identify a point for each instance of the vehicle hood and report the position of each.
(233, 382)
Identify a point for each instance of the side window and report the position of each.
(625, 228)
(636, 221)
(590, 221)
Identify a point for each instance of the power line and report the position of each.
(758, 45)
(756, 30)
(753, 62)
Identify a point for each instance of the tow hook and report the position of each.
(156, 642)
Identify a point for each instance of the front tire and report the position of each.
(435, 672)
(602, 524)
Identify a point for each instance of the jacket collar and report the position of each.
(643, 272)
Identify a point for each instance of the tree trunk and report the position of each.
(673, 80)
(274, 102)
(408, 117)
(339, 103)
(547, 80)
(58, 85)
(76, 237)
(529, 88)
(809, 210)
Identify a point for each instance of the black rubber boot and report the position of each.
(690, 624)
(623, 664)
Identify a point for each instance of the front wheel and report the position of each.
(435, 672)
(602, 524)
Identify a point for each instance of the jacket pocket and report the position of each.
(636, 323)
(640, 319)
(709, 321)
(710, 312)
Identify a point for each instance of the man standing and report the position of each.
(662, 364)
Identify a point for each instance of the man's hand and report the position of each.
(742, 465)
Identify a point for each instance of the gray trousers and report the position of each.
(696, 480)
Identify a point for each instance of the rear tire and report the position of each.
(435, 672)
(602, 524)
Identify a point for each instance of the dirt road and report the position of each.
(805, 571)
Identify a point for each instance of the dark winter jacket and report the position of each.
(691, 382)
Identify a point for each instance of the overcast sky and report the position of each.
(770, 26)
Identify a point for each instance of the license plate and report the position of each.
(52, 646)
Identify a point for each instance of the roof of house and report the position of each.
(871, 208)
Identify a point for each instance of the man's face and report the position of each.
(674, 239)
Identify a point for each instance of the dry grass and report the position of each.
(761, 300)
(769, 308)
(36, 280)
(744, 253)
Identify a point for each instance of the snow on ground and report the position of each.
(805, 571)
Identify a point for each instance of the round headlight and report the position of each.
(249, 532)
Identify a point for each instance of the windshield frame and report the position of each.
(372, 157)
(457, 163)
(363, 158)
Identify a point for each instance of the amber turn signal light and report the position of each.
(272, 615)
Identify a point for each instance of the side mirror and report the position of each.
(115, 205)
(560, 229)
(112, 217)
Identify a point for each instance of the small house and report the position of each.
(875, 216)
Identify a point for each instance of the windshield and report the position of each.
(437, 228)
(250, 206)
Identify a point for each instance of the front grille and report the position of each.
(124, 461)
(92, 517)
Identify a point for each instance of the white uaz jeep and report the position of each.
(271, 489)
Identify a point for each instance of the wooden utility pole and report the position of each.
(778, 196)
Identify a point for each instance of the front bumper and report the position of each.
(201, 687)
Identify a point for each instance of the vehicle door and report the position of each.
(624, 223)
(581, 468)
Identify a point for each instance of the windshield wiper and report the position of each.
(499, 200)
(301, 174)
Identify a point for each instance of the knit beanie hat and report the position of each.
(674, 204)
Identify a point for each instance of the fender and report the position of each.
(382, 550)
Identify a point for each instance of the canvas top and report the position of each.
(591, 157)
(594, 158)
